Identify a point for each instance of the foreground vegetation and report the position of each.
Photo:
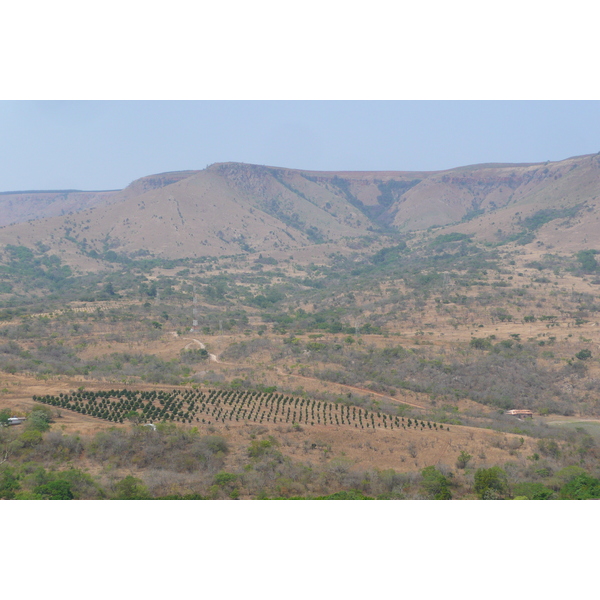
(174, 461)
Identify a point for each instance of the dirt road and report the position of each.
(194, 341)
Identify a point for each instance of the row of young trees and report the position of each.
(212, 406)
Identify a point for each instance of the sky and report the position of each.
(93, 145)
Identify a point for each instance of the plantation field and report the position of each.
(214, 406)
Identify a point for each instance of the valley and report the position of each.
(443, 298)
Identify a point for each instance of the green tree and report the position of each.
(435, 484)
(582, 487)
(131, 488)
(565, 475)
(463, 459)
(9, 483)
(133, 416)
(491, 484)
(588, 263)
(55, 490)
(224, 479)
(583, 354)
(480, 344)
(533, 491)
(39, 419)
(4, 416)
(29, 438)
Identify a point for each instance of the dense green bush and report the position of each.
(491, 484)
(435, 484)
(131, 488)
(582, 487)
(55, 490)
(533, 491)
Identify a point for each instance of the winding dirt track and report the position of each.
(193, 341)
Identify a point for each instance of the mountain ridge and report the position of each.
(236, 208)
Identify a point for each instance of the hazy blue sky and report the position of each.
(108, 144)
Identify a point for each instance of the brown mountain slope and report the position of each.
(231, 208)
(196, 216)
(204, 213)
(450, 196)
(16, 207)
(558, 202)
(409, 201)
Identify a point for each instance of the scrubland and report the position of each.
(441, 330)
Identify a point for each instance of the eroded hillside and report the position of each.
(232, 208)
